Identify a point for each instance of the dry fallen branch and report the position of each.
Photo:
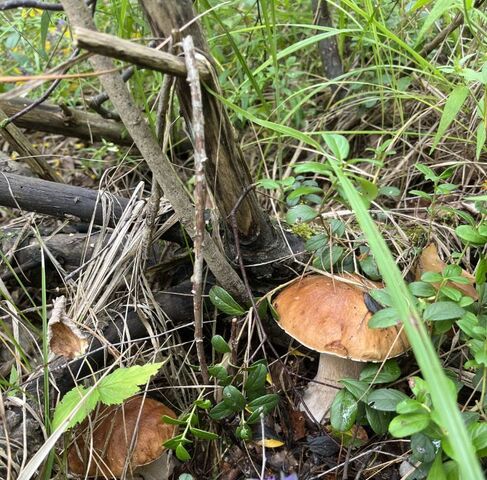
(11, 4)
(65, 121)
(114, 47)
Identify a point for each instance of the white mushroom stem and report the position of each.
(320, 393)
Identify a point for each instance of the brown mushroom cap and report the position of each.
(109, 435)
(430, 261)
(330, 316)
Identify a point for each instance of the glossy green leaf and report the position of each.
(219, 344)
(220, 411)
(377, 373)
(225, 302)
(469, 234)
(378, 420)
(385, 399)
(406, 425)
(357, 388)
(343, 411)
(203, 434)
(422, 289)
(233, 398)
(443, 311)
(387, 317)
(300, 214)
(255, 384)
(182, 454)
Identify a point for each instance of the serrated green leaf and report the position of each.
(451, 292)
(125, 382)
(422, 289)
(225, 302)
(70, 401)
(431, 277)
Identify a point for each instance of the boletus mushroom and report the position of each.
(331, 317)
(116, 439)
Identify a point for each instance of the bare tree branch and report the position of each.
(11, 4)
(111, 46)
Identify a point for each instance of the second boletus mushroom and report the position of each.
(331, 316)
(119, 438)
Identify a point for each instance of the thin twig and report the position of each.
(43, 97)
(11, 4)
(199, 199)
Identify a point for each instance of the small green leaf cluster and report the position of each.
(430, 442)
(243, 395)
(300, 193)
(360, 402)
(249, 401)
(190, 423)
(437, 298)
(326, 250)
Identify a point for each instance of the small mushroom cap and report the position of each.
(109, 435)
(330, 316)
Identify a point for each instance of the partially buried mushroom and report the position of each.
(119, 438)
(331, 317)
